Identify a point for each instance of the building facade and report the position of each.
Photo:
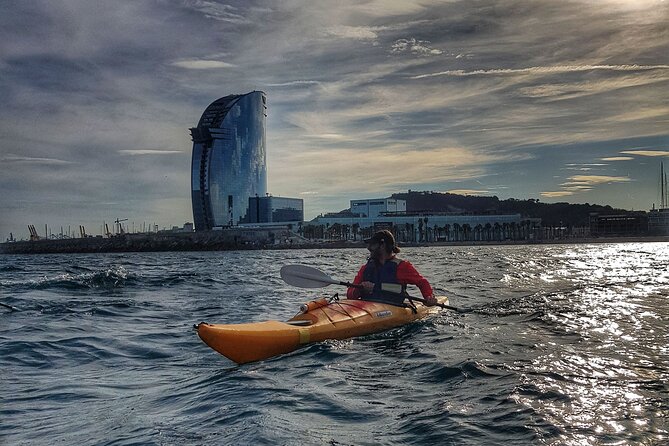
(658, 221)
(376, 206)
(367, 216)
(275, 210)
(229, 161)
(411, 227)
(630, 224)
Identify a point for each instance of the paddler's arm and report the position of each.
(407, 274)
(357, 293)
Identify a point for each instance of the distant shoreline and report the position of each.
(565, 241)
(213, 241)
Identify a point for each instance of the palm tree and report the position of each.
(307, 231)
(527, 224)
(457, 231)
(467, 231)
(335, 230)
(497, 232)
(346, 231)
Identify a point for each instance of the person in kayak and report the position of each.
(384, 277)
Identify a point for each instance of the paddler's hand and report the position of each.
(431, 301)
(367, 287)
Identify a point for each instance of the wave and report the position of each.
(10, 268)
(110, 278)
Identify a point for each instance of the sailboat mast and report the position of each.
(666, 192)
(663, 181)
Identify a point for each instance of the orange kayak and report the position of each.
(318, 321)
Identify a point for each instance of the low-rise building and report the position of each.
(658, 221)
(271, 209)
(377, 206)
(366, 216)
(612, 225)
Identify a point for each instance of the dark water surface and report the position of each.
(568, 346)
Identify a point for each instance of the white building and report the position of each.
(374, 207)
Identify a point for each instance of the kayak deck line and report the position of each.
(336, 316)
(255, 341)
(299, 323)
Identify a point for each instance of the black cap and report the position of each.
(386, 237)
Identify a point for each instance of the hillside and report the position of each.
(551, 214)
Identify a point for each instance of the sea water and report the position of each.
(565, 345)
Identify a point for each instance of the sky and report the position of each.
(550, 100)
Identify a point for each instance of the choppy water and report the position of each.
(568, 346)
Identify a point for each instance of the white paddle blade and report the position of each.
(305, 277)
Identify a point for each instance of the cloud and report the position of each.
(583, 183)
(413, 46)
(557, 91)
(552, 70)
(219, 12)
(585, 167)
(389, 8)
(15, 159)
(352, 32)
(652, 153)
(353, 171)
(135, 152)
(630, 5)
(557, 194)
(294, 84)
(468, 192)
(591, 180)
(202, 64)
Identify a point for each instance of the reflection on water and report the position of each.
(610, 381)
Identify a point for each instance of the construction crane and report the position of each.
(33, 233)
(120, 226)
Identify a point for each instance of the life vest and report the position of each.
(386, 285)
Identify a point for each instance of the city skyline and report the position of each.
(557, 101)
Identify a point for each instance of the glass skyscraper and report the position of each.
(229, 163)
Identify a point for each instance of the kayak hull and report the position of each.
(344, 319)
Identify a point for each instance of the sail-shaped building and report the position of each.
(229, 162)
